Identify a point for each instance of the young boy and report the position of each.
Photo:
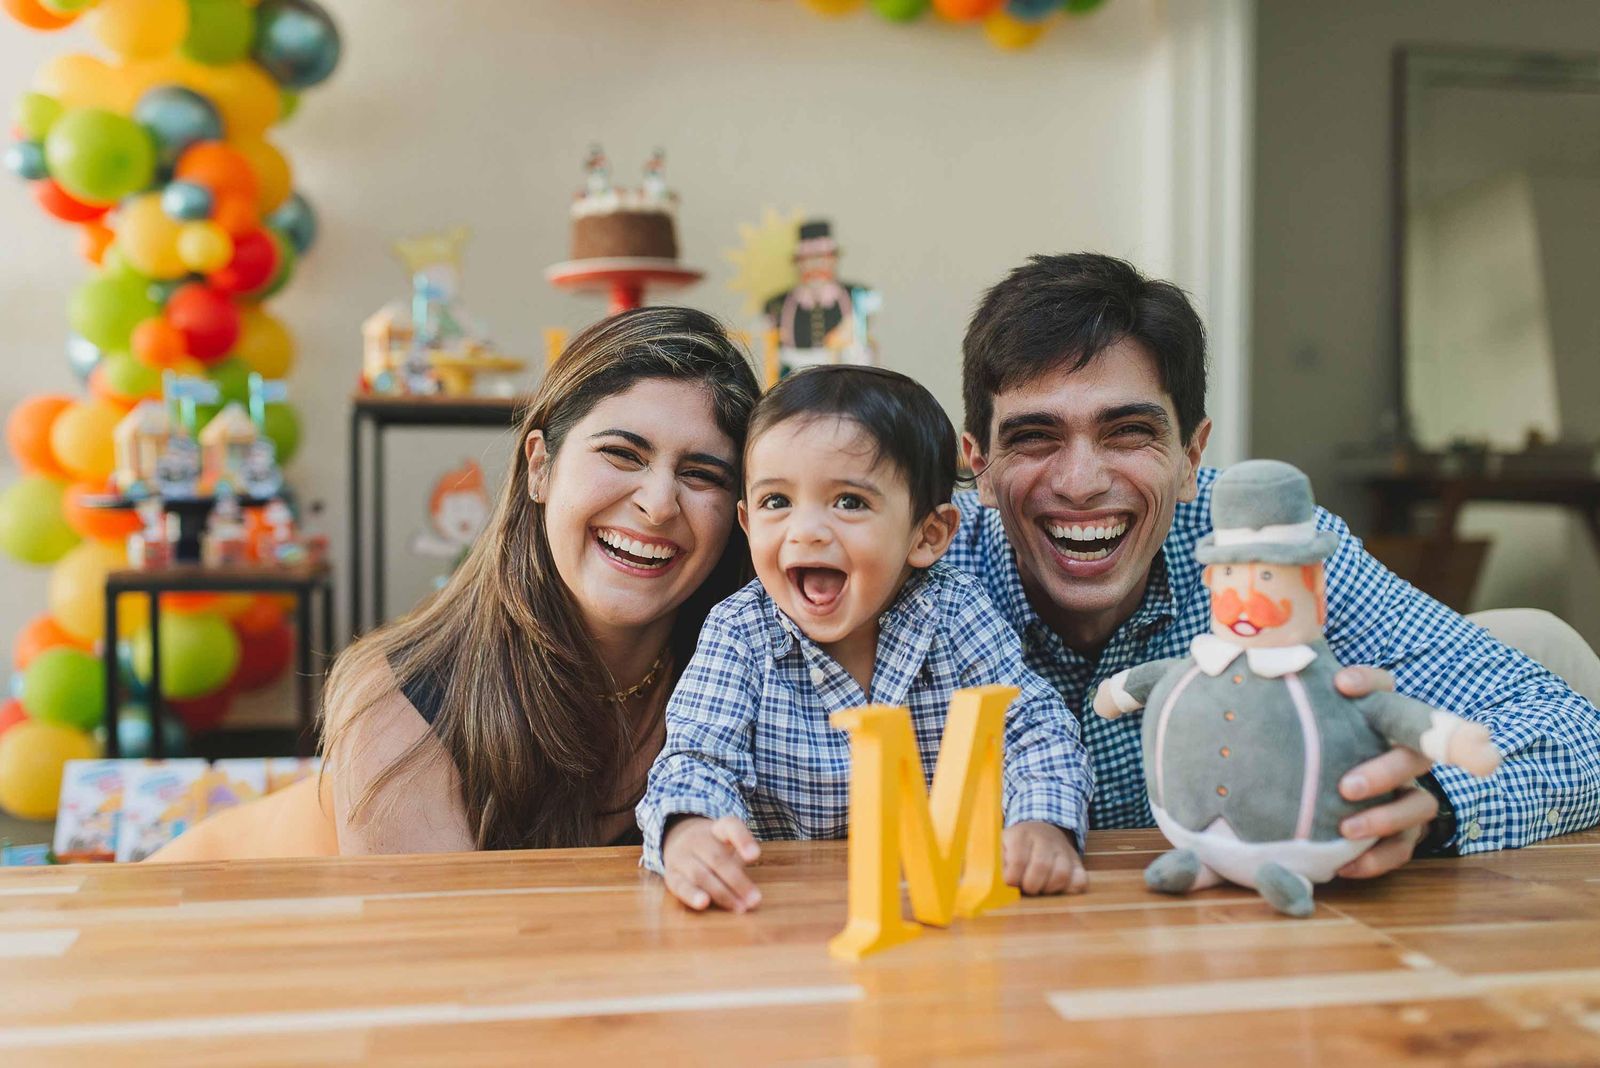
(848, 474)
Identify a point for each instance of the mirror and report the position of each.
(1497, 215)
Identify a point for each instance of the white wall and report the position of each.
(1323, 298)
(941, 161)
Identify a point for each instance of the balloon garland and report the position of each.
(1011, 25)
(159, 157)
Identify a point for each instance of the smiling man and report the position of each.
(1085, 387)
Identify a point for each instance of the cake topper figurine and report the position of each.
(1246, 739)
(597, 171)
(655, 178)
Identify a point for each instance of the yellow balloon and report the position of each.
(834, 7)
(204, 246)
(272, 172)
(265, 344)
(148, 237)
(81, 81)
(33, 755)
(137, 29)
(81, 438)
(1011, 34)
(77, 589)
(247, 97)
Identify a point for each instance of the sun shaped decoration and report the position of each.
(765, 258)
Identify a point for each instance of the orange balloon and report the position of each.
(236, 214)
(97, 237)
(967, 10)
(220, 168)
(273, 176)
(158, 343)
(105, 524)
(42, 633)
(28, 434)
(101, 390)
(36, 16)
(188, 603)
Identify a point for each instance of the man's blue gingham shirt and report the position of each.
(1548, 785)
(748, 732)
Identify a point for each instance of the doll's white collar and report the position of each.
(1214, 654)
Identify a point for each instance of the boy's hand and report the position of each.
(704, 861)
(1038, 858)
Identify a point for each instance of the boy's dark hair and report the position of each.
(1064, 311)
(907, 426)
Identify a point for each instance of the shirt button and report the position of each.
(1237, 679)
(1553, 817)
(817, 675)
(1474, 832)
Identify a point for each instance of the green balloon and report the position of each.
(68, 7)
(282, 425)
(99, 156)
(1081, 7)
(65, 687)
(232, 377)
(291, 104)
(900, 10)
(199, 653)
(33, 526)
(128, 376)
(35, 114)
(106, 308)
(220, 31)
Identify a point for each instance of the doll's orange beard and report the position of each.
(1249, 616)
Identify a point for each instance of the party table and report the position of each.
(578, 957)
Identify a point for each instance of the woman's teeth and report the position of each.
(634, 552)
(1092, 541)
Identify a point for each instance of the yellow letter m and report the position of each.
(949, 842)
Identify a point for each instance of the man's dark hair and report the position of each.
(906, 425)
(1064, 311)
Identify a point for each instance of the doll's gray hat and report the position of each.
(1262, 512)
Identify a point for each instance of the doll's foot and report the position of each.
(1173, 873)
(1284, 890)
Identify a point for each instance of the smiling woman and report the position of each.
(522, 706)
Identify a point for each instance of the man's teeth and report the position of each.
(1091, 532)
(635, 547)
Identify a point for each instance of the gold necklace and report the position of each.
(642, 685)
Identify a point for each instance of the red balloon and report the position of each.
(208, 321)
(11, 714)
(204, 713)
(63, 205)
(263, 656)
(967, 10)
(41, 633)
(255, 261)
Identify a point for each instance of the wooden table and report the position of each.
(576, 957)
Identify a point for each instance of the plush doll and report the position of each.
(1245, 739)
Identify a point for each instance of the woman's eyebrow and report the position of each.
(636, 440)
(709, 458)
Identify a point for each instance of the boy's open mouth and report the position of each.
(818, 587)
(1088, 541)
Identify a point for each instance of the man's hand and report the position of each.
(1038, 858)
(704, 861)
(1105, 706)
(1400, 824)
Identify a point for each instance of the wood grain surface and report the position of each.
(578, 957)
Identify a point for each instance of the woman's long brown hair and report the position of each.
(537, 750)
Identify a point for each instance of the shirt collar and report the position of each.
(1214, 653)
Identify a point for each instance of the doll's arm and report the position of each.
(1442, 737)
(1128, 690)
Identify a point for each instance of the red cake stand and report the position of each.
(624, 279)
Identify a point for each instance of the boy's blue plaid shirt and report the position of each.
(1549, 784)
(748, 732)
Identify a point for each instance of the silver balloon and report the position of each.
(82, 356)
(177, 118)
(296, 42)
(295, 220)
